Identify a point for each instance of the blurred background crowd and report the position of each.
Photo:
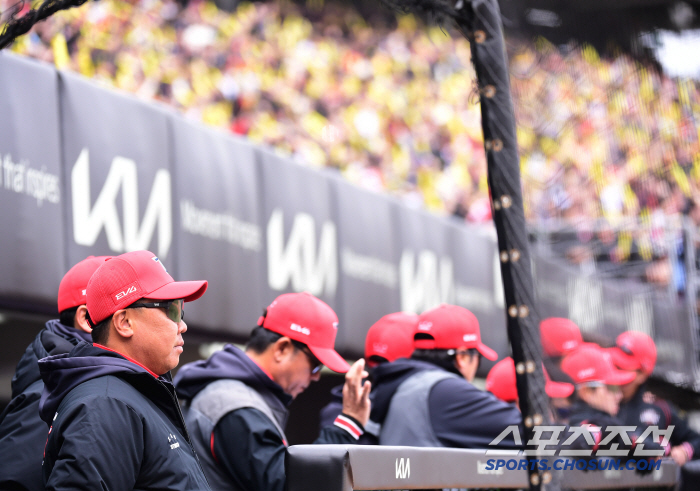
(609, 145)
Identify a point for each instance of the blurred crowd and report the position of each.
(604, 141)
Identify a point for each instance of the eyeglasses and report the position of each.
(613, 389)
(174, 309)
(316, 365)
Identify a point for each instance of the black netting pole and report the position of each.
(480, 22)
(17, 26)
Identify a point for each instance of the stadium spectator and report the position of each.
(500, 381)
(429, 400)
(387, 340)
(115, 420)
(635, 352)
(22, 432)
(238, 400)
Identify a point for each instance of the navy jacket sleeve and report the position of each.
(97, 445)
(466, 417)
(22, 439)
(249, 448)
(682, 433)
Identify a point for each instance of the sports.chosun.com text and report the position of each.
(571, 464)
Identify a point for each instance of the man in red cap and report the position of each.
(501, 382)
(115, 420)
(387, 340)
(598, 393)
(238, 400)
(22, 432)
(635, 352)
(429, 400)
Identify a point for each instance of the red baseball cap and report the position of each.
(559, 336)
(122, 280)
(391, 337)
(634, 351)
(501, 382)
(592, 363)
(309, 320)
(450, 327)
(71, 290)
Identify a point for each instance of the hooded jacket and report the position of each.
(645, 410)
(245, 445)
(22, 432)
(114, 425)
(460, 415)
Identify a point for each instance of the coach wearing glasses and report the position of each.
(115, 421)
(238, 400)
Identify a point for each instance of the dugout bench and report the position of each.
(356, 467)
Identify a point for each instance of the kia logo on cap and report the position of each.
(380, 347)
(425, 325)
(586, 372)
(304, 330)
(469, 337)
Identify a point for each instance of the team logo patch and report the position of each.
(649, 417)
(469, 337)
(380, 347)
(304, 330)
(172, 441)
(425, 325)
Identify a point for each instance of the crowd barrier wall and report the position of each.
(88, 170)
(355, 467)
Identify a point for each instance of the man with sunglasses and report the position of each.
(22, 432)
(429, 400)
(635, 353)
(115, 420)
(237, 400)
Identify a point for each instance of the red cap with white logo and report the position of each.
(122, 280)
(71, 290)
(309, 320)
(391, 337)
(559, 336)
(501, 382)
(591, 363)
(450, 327)
(634, 351)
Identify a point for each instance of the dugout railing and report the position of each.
(357, 467)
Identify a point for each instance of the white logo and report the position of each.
(88, 223)
(84, 292)
(649, 417)
(425, 326)
(428, 285)
(299, 261)
(172, 440)
(586, 372)
(380, 348)
(304, 330)
(469, 337)
(120, 295)
(403, 468)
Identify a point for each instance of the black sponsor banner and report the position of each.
(116, 167)
(33, 260)
(301, 237)
(218, 233)
(477, 282)
(368, 253)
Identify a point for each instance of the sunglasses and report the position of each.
(614, 389)
(316, 365)
(174, 309)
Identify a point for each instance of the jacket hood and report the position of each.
(387, 378)
(229, 363)
(55, 339)
(62, 373)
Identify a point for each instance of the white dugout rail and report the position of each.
(363, 467)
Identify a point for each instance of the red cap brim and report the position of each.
(624, 361)
(618, 377)
(330, 358)
(560, 390)
(188, 290)
(487, 352)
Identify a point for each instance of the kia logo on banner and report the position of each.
(129, 236)
(309, 269)
(428, 285)
(403, 468)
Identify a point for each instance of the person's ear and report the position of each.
(80, 320)
(122, 323)
(282, 348)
